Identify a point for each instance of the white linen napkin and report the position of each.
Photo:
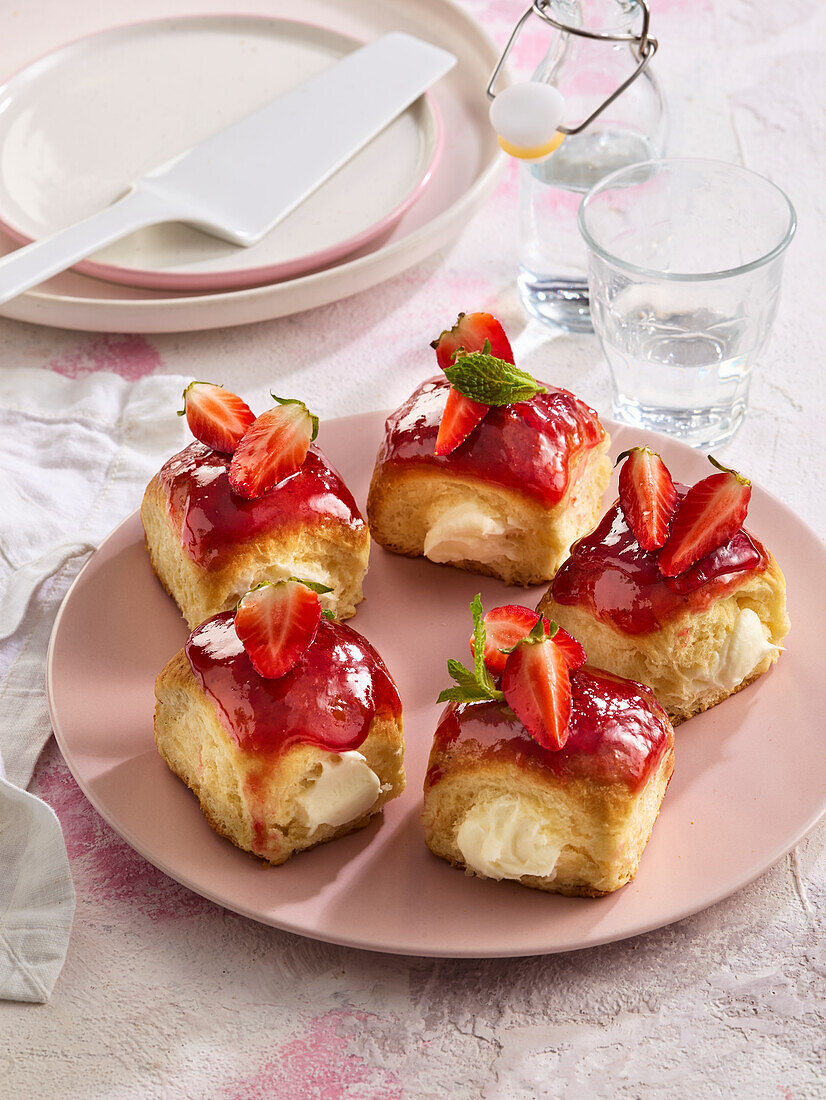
(76, 456)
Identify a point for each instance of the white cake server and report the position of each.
(239, 183)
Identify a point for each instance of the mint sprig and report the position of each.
(491, 381)
(477, 686)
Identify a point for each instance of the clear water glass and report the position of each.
(685, 260)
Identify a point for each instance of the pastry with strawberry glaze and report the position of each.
(543, 769)
(285, 723)
(672, 590)
(251, 500)
(486, 469)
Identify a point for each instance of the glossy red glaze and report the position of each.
(612, 575)
(618, 734)
(213, 519)
(328, 699)
(527, 446)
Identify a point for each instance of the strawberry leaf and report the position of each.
(316, 586)
(295, 401)
(491, 381)
(726, 470)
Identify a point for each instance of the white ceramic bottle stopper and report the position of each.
(525, 118)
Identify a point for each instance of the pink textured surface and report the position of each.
(132, 357)
(166, 995)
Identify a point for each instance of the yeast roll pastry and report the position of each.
(500, 486)
(697, 617)
(563, 803)
(262, 505)
(281, 764)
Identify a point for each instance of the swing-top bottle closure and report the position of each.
(527, 117)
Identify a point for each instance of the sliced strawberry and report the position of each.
(470, 332)
(537, 687)
(215, 416)
(708, 515)
(506, 626)
(647, 496)
(274, 447)
(573, 650)
(277, 624)
(460, 417)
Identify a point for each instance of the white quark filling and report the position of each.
(742, 652)
(345, 789)
(467, 532)
(504, 839)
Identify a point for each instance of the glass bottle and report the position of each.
(552, 277)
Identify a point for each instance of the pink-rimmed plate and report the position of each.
(464, 177)
(749, 782)
(79, 125)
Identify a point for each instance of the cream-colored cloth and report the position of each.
(77, 454)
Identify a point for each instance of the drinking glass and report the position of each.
(684, 265)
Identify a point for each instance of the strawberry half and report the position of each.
(573, 650)
(647, 496)
(274, 447)
(215, 416)
(277, 624)
(470, 332)
(708, 515)
(460, 417)
(537, 687)
(506, 626)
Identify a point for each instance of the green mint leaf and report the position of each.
(491, 381)
(477, 686)
(463, 676)
(479, 637)
(328, 614)
(463, 695)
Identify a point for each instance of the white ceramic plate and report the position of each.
(80, 125)
(463, 178)
(749, 780)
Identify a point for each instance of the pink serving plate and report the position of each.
(749, 783)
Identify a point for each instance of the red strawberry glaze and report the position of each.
(527, 446)
(328, 699)
(213, 518)
(618, 734)
(612, 575)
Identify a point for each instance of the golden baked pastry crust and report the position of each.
(606, 825)
(664, 659)
(405, 499)
(329, 551)
(250, 798)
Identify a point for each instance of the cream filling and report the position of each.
(467, 532)
(743, 650)
(345, 788)
(505, 839)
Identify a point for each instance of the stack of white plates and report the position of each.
(87, 118)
